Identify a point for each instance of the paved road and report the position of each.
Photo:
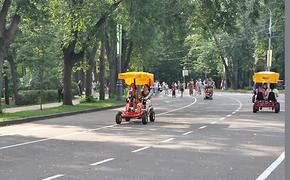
(191, 139)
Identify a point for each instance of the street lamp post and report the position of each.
(119, 89)
(269, 52)
(184, 73)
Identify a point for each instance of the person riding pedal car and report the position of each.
(146, 95)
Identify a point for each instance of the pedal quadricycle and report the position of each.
(138, 104)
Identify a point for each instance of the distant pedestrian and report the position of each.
(80, 91)
(199, 86)
(190, 86)
(223, 84)
(60, 91)
(173, 90)
(166, 89)
(94, 84)
(181, 89)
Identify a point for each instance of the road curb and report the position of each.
(38, 118)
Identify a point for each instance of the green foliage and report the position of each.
(61, 109)
(87, 99)
(167, 35)
(29, 97)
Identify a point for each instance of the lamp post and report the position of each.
(119, 89)
(269, 52)
(184, 73)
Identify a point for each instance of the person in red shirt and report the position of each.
(261, 91)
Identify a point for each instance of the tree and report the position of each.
(7, 34)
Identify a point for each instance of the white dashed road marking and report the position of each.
(202, 127)
(54, 177)
(102, 162)
(272, 167)
(141, 149)
(189, 132)
(167, 140)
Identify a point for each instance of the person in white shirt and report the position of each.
(274, 90)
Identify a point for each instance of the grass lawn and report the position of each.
(60, 109)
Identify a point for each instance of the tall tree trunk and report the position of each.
(111, 55)
(2, 56)
(7, 34)
(94, 66)
(14, 79)
(67, 95)
(102, 72)
(91, 59)
(69, 59)
(6, 89)
(223, 58)
(113, 80)
(127, 56)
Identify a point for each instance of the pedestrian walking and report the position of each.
(190, 86)
(60, 91)
(173, 90)
(199, 86)
(80, 91)
(181, 89)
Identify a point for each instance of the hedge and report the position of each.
(28, 97)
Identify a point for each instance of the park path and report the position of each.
(36, 107)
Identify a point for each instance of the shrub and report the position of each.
(28, 97)
(87, 99)
(248, 88)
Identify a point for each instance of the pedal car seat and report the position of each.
(260, 96)
(271, 96)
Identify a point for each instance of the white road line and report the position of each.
(54, 177)
(234, 112)
(141, 149)
(272, 167)
(167, 140)
(101, 162)
(189, 132)
(222, 118)
(51, 138)
(202, 127)
(85, 131)
(178, 108)
(213, 122)
(229, 115)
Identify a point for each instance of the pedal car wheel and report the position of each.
(277, 107)
(119, 118)
(152, 116)
(255, 109)
(144, 118)
(127, 119)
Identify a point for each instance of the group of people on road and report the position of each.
(179, 87)
(262, 91)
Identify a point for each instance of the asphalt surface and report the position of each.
(191, 139)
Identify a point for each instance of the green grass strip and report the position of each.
(60, 109)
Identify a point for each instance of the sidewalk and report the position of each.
(36, 107)
(44, 106)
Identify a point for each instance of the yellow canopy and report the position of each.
(266, 77)
(140, 78)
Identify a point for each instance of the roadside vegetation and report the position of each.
(43, 42)
(60, 110)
